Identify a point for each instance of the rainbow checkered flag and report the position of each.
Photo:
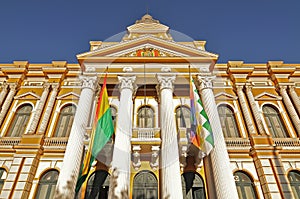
(201, 133)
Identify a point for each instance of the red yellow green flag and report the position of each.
(102, 130)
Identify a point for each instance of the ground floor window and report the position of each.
(192, 186)
(294, 178)
(98, 185)
(244, 185)
(145, 186)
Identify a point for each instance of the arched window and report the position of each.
(192, 186)
(3, 176)
(47, 184)
(274, 122)
(65, 121)
(183, 117)
(294, 178)
(145, 117)
(145, 186)
(98, 185)
(244, 186)
(113, 114)
(228, 122)
(20, 121)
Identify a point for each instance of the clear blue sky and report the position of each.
(254, 31)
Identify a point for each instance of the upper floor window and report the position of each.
(47, 184)
(244, 185)
(3, 175)
(183, 117)
(228, 121)
(274, 122)
(65, 121)
(294, 178)
(145, 117)
(20, 121)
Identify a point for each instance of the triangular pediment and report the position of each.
(27, 96)
(69, 95)
(147, 46)
(267, 97)
(225, 96)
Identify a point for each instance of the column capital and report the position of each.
(205, 81)
(55, 86)
(127, 82)
(166, 81)
(4, 86)
(88, 81)
(46, 86)
(13, 86)
(292, 88)
(239, 87)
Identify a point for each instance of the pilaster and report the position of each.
(295, 98)
(3, 92)
(10, 96)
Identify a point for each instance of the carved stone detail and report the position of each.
(154, 157)
(136, 163)
(127, 82)
(166, 81)
(206, 81)
(88, 82)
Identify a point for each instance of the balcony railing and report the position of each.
(9, 141)
(237, 142)
(55, 143)
(146, 134)
(287, 142)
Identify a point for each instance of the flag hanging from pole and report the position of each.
(102, 130)
(201, 133)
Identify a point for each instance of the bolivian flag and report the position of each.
(102, 130)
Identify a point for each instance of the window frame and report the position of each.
(2, 179)
(182, 110)
(269, 119)
(50, 184)
(145, 124)
(145, 186)
(20, 121)
(238, 176)
(69, 115)
(295, 185)
(228, 113)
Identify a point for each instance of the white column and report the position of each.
(122, 146)
(255, 110)
(49, 108)
(73, 156)
(3, 93)
(223, 180)
(245, 110)
(295, 98)
(39, 109)
(170, 166)
(290, 108)
(8, 101)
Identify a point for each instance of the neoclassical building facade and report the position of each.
(47, 111)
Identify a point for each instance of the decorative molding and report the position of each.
(154, 163)
(88, 81)
(69, 95)
(205, 81)
(28, 96)
(166, 81)
(225, 96)
(266, 96)
(136, 163)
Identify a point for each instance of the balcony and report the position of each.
(55, 143)
(146, 135)
(9, 142)
(287, 142)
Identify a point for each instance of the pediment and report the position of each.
(28, 96)
(265, 96)
(225, 96)
(69, 95)
(147, 46)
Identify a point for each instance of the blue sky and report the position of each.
(254, 31)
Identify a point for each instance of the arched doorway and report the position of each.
(192, 186)
(145, 186)
(98, 185)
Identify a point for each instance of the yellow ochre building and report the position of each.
(47, 112)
